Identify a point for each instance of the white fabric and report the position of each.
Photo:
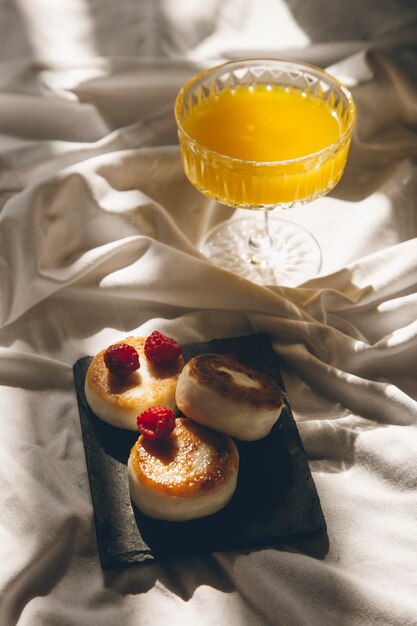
(98, 239)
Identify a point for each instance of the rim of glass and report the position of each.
(289, 62)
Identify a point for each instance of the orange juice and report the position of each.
(263, 145)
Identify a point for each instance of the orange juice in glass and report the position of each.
(260, 134)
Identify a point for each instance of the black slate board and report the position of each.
(275, 500)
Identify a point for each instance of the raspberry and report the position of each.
(157, 422)
(161, 349)
(121, 359)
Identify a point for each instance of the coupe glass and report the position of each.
(262, 247)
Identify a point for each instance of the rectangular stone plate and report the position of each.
(275, 501)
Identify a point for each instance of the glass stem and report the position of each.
(260, 238)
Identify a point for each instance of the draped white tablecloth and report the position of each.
(99, 234)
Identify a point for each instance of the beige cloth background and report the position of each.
(99, 234)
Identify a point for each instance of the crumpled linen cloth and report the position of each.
(99, 234)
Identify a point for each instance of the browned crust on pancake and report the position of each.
(167, 465)
(118, 390)
(205, 368)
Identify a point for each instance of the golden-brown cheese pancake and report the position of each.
(119, 400)
(218, 391)
(191, 474)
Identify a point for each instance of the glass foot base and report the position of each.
(294, 257)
